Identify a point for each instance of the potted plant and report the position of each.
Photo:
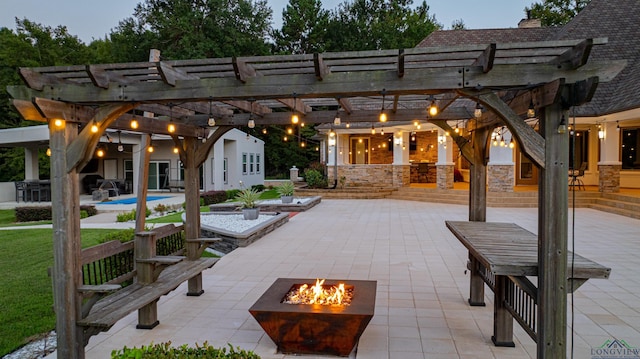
(285, 190)
(248, 198)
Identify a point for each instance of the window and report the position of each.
(251, 158)
(244, 163)
(225, 171)
(257, 163)
(629, 142)
(578, 148)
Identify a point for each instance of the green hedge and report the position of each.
(165, 351)
(212, 197)
(43, 213)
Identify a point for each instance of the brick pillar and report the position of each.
(501, 178)
(609, 181)
(401, 175)
(445, 176)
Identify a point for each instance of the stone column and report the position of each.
(501, 171)
(609, 166)
(401, 165)
(445, 163)
(31, 169)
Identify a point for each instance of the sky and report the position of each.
(93, 19)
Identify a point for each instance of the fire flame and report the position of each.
(318, 294)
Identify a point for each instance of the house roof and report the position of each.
(615, 20)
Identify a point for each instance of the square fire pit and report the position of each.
(315, 328)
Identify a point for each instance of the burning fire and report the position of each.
(319, 294)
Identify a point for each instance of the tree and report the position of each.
(458, 25)
(185, 29)
(556, 12)
(304, 25)
(378, 24)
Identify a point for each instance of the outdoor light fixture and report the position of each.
(134, 123)
(383, 115)
(348, 125)
(175, 150)
(416, 123)
(600, 132)
(211, 121)
(373, 130)
(120, 146)
(456, 130)
(382, 131)
(512, 144)
(302, 144)
(251, 123)
(562, 128)
(331, 133)
(433, 107)
(94, 128)
(171, 127)
(531, 111)
(336, 119)
(150, 148)
(477, 113)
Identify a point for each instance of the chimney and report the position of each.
(529, 22)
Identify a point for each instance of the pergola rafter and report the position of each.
(553, 75)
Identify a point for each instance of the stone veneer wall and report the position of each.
(445, 176)
(401, 175)
(501, 178)
(609, 180)
(369, 175)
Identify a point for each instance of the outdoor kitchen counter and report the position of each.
(502, 255)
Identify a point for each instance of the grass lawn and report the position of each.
(8, 219)
(27, 299)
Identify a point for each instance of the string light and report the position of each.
(211, 121)
(48, 152)
(477, 113)
(134, 123)
(120, 146)
(383, 115)
(58, 122)
(433, 107)
(94, 128)
(100, 152)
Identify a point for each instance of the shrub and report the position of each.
(286, 189)
(43, 213)
(258, 187)
(211, 197)
(232, 193)
(315, 179)
(248, 198)
(83, 214)
(316, 166)
(124, 235)
(164, 350)
(130, 216)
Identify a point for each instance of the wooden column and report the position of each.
(552, 237)
(67, 276)
(143, 175)
(192, 210)
(478, 176)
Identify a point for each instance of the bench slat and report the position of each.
(118, 305)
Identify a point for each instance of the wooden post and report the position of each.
(502, 319)
(552, 236)
(476, 284)
(67, 276)
(192, 210)
(143, 174)
(478, 176)
(145, 248)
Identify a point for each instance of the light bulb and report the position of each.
(134, 124)
(150, 149)
(120, 148)
(383, 116)
(94, 128)
(251, 124)
(49, 152)
(176, 150)
(211, 121)
(58, 122)
(295, 119)
(100, 152)
(171, 128)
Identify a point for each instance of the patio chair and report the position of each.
(21, 191)
(576, 176)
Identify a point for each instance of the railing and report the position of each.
(521, 302)
(113, 262)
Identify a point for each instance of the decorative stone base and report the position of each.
(501, 178)
(609, 181)
(401, 175)
(445, 176)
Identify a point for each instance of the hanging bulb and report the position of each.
(382, 131)
(211, 121)
(175, 150)
(477, 113)
(100, 152)
(348, 125)
(134, 123)
(331, 133)
(150, 149)
(373, 130)
(58, 122)
(285, 139)
(248, 137)
(617, 126)
(264, 131)
(416, 123)
(290, 130)
(512, 144)
(94, 128)
(120, 148)
(294, 118)
(456, 130)
(502, 143)
(49, 152)
(562, 128)
(531, 111)
(433, 107)
(251, 123)
(302, 144)
(336, 120)
(171, 127)
(383, 116)
(495, 142)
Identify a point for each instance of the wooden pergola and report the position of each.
(504, 78)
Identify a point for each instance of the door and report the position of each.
(526, 170)
(157, 174)
(359, 151)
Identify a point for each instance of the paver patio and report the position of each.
(421, 306)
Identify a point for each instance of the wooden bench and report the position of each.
(503, 255)
(151, 266)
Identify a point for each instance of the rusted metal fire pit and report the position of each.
(315, 328)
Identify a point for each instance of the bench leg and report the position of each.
(502, 319)
(148, 316)
(476, 287)
(195, 286)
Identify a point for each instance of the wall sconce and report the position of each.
(397, 141)
(332, 141)
(600, 132)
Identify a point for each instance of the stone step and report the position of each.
(630, 206)
(618, 211)
(621, 197)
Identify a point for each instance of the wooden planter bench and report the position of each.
(503, 255)
(151, 266)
